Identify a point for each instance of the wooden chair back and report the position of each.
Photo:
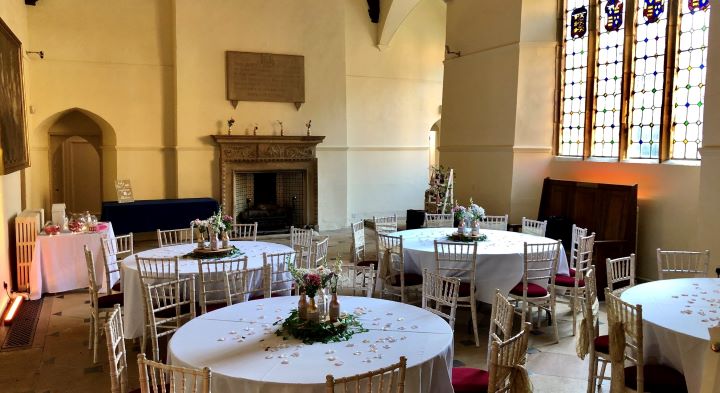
(169, 305)
(243, 232)
(630, 316)
(157, 377)
(172, 237)
(320, 252)
(356, 281)
(533, 227)
(577, 233)
(301, 242)
(245, 284)
(620, 270)
(501, 319)
(358, 241)
(498, 223)
(115, 249)
(440, 293)
(439, 220)
(212, 280)
(157, 269)
(281, 281)
(390, 379)
(682, 264)
(506, 358)
(117, 355)
(385, 225)
(540, 265)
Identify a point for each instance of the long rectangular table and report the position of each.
(149, 215)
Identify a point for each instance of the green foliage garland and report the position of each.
(456, 237)
(312, 332)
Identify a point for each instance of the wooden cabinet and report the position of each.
(609, 210)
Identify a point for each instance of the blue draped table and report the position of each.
(149, 215)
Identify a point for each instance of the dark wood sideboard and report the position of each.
(609, 210)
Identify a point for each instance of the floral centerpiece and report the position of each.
(306, 322)
(473, 213)
(217, 224)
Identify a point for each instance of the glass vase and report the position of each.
(213, 241)
(200, 241)
(323, 304)
(313, 314)
(334, 308)
(225, 240)
(461, 226)
(475, 228)
(302, 307)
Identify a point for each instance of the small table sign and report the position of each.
(124, 191)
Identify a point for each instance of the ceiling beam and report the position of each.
(392, 14)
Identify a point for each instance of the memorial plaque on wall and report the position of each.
(265, 77)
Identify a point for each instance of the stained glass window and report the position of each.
(647, 93)
(689, 93)
(572, 132)
(608, 91)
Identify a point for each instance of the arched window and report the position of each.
(633, 79)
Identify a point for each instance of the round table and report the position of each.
(677, 314)
(133, 315)
(499, 260)
(239, 345)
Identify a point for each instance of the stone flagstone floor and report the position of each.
(59, 360)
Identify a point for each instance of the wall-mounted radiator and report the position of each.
(27, 227)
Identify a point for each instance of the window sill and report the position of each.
(691, 163)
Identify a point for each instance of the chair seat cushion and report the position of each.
(215, 306)
(567, 281)
(464, 289)
(170, 312)
(658, 379)
(602, 344)
(533, 290)
(368, 263)
(109, 301)
(410, 280)
(470, 380)
(117, 287)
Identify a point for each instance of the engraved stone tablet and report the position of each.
(265, 77)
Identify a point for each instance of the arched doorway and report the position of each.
(75, 162)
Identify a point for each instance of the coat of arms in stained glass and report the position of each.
(698, 5)
(579, 22)
(614, 12)
(653, 9)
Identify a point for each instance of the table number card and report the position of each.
(124, 191)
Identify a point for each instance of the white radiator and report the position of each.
(27, 227)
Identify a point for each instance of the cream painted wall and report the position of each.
(13, 14)
(314, 29)
(113, 60)
(393, 98)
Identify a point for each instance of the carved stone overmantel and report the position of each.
(249, 153)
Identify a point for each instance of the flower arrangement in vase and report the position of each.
(216, 225)
(311, 283)
(473, 213)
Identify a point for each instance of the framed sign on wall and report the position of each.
(13, 139)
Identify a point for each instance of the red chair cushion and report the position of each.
(215, 306)
(109, 301)
(572, 272)
(256, 296)
(602, 344)
(533, 290)
(567, 281)
(469, 380)
(410, 279)
(658, 379)
(117, 287)
(368, 263)
(464, 289)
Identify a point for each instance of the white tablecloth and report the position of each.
(677, 314)
(239, 344)
(134, 317)
(500, 257)
(59, 261)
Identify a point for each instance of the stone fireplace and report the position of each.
(269, 179)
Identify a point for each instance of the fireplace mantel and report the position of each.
(268, 153)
